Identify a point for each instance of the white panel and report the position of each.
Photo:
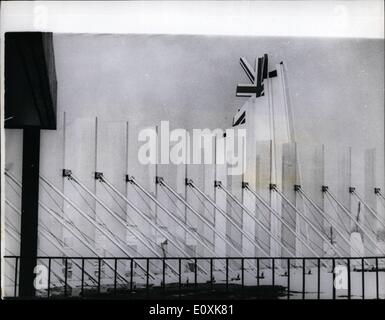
(169, 172)
(357, 160)
(371, 181)
(220, 201)
(208, 210)
(80, 153)
(263, 169)
(145, 175)
(234, 185)
(289, 179)
(338, 178)
(311, 179)
(111, 161)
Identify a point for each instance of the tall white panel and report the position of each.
(51, 166)
(80, 157)
(111, 157)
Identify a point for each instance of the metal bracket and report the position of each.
(158, 180)
(272, 74)
(217, 183)
(99, 176)
(272, 186)
(67, 173)
(245, 184)
(377, 190)
(352, 189)
(129, 178)
(297, 187)
(188, 181)
(325, 188)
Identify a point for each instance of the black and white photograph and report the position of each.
(181, 151)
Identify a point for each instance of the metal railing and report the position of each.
(302, 277)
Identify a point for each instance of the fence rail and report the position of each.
(270, 277)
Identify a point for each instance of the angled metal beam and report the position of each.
(319, 233)
(278, 241)
(171, 215)
(359, 225)
(69, 225)
(330, 219)
(114, 215)
(276, 214)
(228, 218)
(16, 236)
(370, 209)
(120, 220)
(104, 180)
(142, 215)
(44, 232)
(201, 217)
(89, 219)
(85, 215)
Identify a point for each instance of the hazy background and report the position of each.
(336, 85)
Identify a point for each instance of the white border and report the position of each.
(348, 19)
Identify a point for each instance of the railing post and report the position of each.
(333, 277)
(131, 274)
(16, 272)
(377, 288)
(349, 280)
(211, 274)
(49, 278)
(363, 278)
(335, 260)
(318, 278)
(303, 279)
(99, 273)
(288, 278)
(65, 276)
(115, 274)
(82, 285)
(227, 274)
(196, 273)
(258, 272)
(164, 274)
(180, 276)
(147, 275)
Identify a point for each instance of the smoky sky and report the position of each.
(336, 85)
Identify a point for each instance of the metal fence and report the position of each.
(211, 277)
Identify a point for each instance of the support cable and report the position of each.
(102, 179)
(191, 184)
(330, 219)
(278, 241)
(276, 214)
(370, 209)
(307, 221)
(96, 225)
(186, 229)
(200, 216)
(354, 220)
(119, 219)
